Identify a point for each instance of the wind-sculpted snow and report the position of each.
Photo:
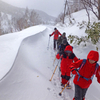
(29, 77)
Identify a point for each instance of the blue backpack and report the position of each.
(82, 64)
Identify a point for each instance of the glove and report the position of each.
(50, 35)
(74, 70)
(58, 56)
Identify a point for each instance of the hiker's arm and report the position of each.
(76, 64)
(52, 34)
(59, 33)
(98, 75)
(75, 58)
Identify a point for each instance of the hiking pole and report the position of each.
(48, 43)
(64, 87)
(54, 70)
(54, 61)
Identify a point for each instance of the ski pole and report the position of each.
(48, 43)
(64, 87)
(54, 70)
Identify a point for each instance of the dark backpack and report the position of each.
(82, 64)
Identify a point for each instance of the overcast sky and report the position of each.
(51, 7)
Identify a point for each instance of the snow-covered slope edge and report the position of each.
(20, 81)
(9, 52)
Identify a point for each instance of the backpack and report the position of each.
(82, 64)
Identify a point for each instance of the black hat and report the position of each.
(64, 41)
(55, 28)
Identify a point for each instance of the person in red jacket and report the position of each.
(67, 58)
(83, 76)
(56, 34)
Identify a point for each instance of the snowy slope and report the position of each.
(26, 65)
(29, 79)
(9, 45)
(29, 76)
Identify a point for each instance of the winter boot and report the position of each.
(62, 84)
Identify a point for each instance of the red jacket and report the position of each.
(87, 70)
(56, 33)
(67, 60)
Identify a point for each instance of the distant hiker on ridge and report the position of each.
(56, 33)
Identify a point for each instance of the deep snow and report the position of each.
(26, 65)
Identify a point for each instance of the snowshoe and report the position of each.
(68, 86)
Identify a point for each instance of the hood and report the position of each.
(93, 55)
(69, 48)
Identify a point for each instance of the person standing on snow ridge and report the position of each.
(83, 76)
(60, 39)
(56, 33)
(67, 58)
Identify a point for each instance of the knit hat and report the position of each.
(55, 28)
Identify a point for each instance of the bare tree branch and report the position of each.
(90, 4)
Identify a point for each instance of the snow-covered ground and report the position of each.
(26, 65)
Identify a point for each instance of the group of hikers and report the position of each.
(83, 69)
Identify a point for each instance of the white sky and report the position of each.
(32, 64)
(51, 7)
